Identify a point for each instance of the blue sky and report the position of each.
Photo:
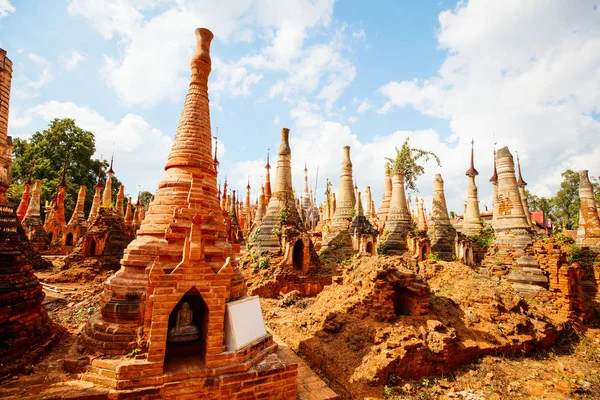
(352, 73)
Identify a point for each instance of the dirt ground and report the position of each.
(569, 369)
(348, 359)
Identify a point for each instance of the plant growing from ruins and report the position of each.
(382, 247)
(134, 352)
(352, 214)
(276, 231)
(284, 215)
(388, 391)
(407, 162)
(426, 382)
(574, 253)
(433, 256)
(263, 263)
(484, 239)
(562, 238)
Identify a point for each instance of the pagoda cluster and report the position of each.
(109, 217)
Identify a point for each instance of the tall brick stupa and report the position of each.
(179, 295)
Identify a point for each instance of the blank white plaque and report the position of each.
(243, 323)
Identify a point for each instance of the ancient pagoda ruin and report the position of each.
(398, 219)
(25, 329)
(77, 225)
(511, 252)
(281, 231)
(176, 293)
(588, 233)
(32, 222)
(440, 231)
(472, 223)
(338, 237)
(384, 208)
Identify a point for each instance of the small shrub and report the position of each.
(263, 263)
(388, 391)
(562, 238)
(382, 247)
(284, 215)
(433, 256)
(574, 253)
(134, 352)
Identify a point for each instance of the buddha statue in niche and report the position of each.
(184, 330)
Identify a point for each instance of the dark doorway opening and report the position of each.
(92, 247)
(369, 248)
(187, 353)
(401, 298)
(50, 236)
(469, 257)
(298, 254)
(69, 239)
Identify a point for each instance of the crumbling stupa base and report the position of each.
(269, 376)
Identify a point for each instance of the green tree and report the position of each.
(145, 198)
(407, 161)
(45, 154)
(564, 206)
(536, 203)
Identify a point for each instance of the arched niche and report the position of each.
(298, 254)
(183, 348)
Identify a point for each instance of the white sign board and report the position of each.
(243, 323)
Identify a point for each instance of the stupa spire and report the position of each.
(521, 184)
(268, 192)
(472, 224)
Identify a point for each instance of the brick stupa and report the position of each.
(181, 260)
(77, 225)
(384, 208)
(511, 252)
(338, 238)
(398, 220)
(441, 233)
(25, 328)
(281, 231)
(588, 233)
(472, 223)
(56, 222)
(24, 204)
(32, 223)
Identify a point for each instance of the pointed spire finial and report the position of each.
(28, 181)
(268, 166)
(520, 181)
(215, 160)
(112, 158)
(98, 182)
(494, 177)
(472, 171)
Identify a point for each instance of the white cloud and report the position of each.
(232, 78)
(140, 150)
(25, 87)
(359, 35)
(72, 59)
(526, 71)
(364, 105)
(276, 120)
(319, 141)
(157, 48)
(353, 119)
(6, 8)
